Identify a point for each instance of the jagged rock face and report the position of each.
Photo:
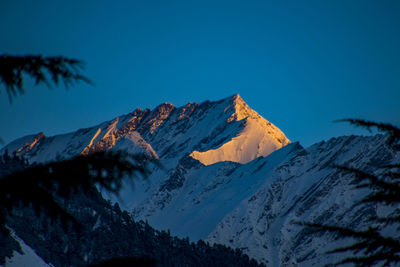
(225, 130)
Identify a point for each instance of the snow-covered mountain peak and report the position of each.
(254, 186)
(241, 109)
(210, 132)
(24, 144)
(254, 138)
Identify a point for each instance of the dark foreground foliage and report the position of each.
(40, 186)
(109, 235)
(379, 243)
(41, 69)
(57, 210)
(127, 262)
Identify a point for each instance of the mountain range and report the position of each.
(230, 177)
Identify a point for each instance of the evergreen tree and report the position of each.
(110, 237)
(42, 185)
(40, 69)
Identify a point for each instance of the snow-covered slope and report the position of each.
(194, 198)
(134, 144)
(229, 176)
(305, 188)
(28, 258)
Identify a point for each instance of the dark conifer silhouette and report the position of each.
(127, 262)
(41, 186)
(371, 245)
(110, 237)
(41, 69)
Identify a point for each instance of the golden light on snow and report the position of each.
(258, 138)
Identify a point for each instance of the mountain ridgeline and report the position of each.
(226, 130)
(229, 177)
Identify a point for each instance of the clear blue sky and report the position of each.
(299, 64)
